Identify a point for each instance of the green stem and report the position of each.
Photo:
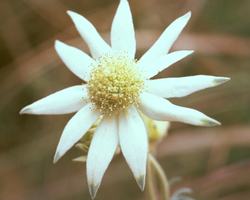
(150, 182)
(162, 177)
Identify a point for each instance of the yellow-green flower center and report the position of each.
(114, 84)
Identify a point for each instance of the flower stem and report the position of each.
(162, 177)
(150, 182)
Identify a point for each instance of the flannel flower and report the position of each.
(118, 91)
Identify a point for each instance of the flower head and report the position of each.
(118, 90)
(115, 84)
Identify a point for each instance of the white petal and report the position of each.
(180, 87)
(122, 31)
(161, 109)
(167, 38)
(80, 159)
(155, 66)
(77, 61)
(62, 102)
(75, 129)
(134, 143)
(101, 152)
(96, 44)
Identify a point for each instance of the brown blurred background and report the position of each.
(214, 162)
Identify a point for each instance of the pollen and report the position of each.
(115, 84)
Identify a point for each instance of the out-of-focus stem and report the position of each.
(150, 182)
(162, 177)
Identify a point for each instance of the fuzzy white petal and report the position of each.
(134, 143)
(101, 152)
(180, 87)
(62, 102)
(75, 129)
(166, 40)
(155, 66)
(122, 31)
(77, 61)
(96, 44)
(161, 109)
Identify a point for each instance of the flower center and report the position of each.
(114, 84)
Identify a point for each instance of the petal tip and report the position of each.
(221, 80)
(73, 15)
(210, 122)
(56, 157)
(93, 190)
(141, 181)
(58, 44)
(80, 159)
(189, 14)
(189, 52)
(25, 110)
(70, 13)
(186, 17)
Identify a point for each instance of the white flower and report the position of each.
(118, 88)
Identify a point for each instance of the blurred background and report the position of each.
(214, 162)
